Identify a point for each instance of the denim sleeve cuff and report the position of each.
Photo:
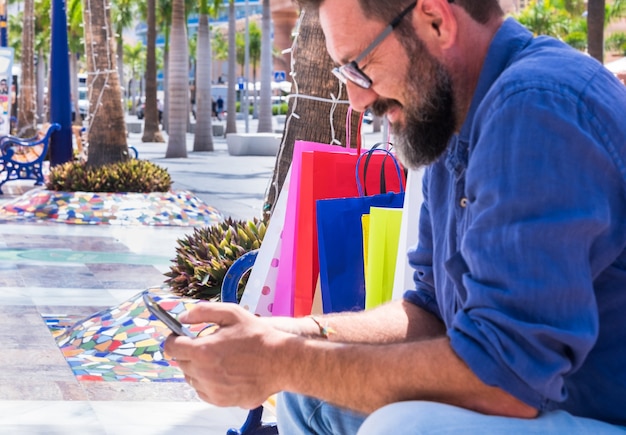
(424, 300)
(492, 372)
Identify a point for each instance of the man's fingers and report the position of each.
(174, 347)
(210, 312)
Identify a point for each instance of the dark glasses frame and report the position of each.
(351, 71)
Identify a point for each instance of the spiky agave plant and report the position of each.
(204, 257)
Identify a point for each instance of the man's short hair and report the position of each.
(480, 10)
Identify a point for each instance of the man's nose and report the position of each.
(360, 98)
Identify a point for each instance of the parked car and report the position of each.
(83, 102)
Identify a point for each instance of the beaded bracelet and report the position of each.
(325, 331)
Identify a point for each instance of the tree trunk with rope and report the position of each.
(312, 115)
(106, 131)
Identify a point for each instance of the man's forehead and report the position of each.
(342, 22)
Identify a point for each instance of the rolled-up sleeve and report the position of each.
(540, 226)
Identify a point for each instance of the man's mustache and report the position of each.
(383, 105)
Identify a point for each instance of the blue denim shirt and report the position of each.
(523, 229)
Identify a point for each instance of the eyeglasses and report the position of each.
(351, 71)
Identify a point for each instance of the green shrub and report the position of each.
(280, 109)
(617, 42)
(204, 257)
(277, 109)
(130, 176)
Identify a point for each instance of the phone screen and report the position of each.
(174, 325)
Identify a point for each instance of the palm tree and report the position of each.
(178, 84)
(42, 45)
(615, 10)
(203, 134)
(254, 48)
(265, 103)
(164, 26)
(26, 119)
(76, 46)
(313, 66)
(595, 28)
(231, 117)
(135, 58)
(151, 125)
(220, 47)
(106, 132)
(122, 15)
(565, 19)
(545, 18)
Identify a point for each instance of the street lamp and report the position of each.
(4, 37)
(60, 106)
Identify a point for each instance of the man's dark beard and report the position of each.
(429, 119)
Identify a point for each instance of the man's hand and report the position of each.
(232, 366)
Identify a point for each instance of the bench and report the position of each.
(22, 159)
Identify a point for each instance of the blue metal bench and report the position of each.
(253, 424)
(22, 159)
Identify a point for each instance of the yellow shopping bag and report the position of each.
(381, 252)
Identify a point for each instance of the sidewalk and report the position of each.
(235, 185)
(59, 269)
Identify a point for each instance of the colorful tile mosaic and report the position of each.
(122, 343)
(160, 208)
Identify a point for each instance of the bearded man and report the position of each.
(516, 323)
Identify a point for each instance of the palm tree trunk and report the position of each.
(203, 139)
(313, 66)
(595, 29)
(178, 86)
(151, 129)
(26, 119)
(119, 51)
(231, 117)
(265, 103)
(106, 132)
(41, 80)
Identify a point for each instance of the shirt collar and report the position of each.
(508, 41)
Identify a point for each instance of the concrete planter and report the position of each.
(253, 144)
(218, 129)
(134, 127)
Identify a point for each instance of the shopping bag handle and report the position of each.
(349, 130)
(368, 155)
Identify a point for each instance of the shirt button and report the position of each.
(463, 202)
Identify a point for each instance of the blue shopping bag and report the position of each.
(340, 239)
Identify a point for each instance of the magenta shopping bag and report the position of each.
(300, 191)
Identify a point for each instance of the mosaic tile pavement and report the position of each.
(121, 343)
(180, 208)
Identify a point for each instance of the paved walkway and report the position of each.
(53, 268)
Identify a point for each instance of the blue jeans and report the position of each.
(304, 415)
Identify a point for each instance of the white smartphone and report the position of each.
(174, 325)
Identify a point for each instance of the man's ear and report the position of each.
(436, 22)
